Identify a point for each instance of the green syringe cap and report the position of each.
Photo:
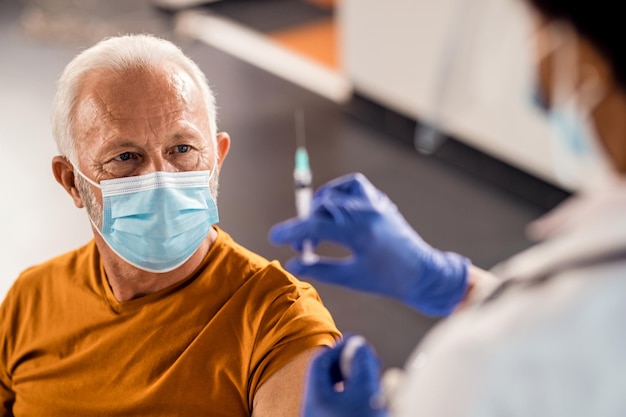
(302, 159)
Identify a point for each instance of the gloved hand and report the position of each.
(388, 256)
(361, 394)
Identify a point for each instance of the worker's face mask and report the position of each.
(579, 159)
(157, 221)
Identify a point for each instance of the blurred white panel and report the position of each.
(38, 219)
(397, 52)
(389, 48)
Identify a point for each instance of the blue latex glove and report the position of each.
(388, 257)
(361, 394)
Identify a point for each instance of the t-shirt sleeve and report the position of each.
(7, 397)
(294, 321)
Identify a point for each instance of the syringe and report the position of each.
(303, 183)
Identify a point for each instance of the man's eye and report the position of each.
(124, 156)
(182, 148)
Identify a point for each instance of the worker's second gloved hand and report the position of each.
(360, 394)
(388, 256)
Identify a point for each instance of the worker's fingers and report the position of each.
(288, 232)
(351, 184)
(365, 370)
(295, 231)
(324, 371)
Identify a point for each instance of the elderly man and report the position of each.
(162, 313)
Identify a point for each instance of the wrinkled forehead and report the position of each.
(140, 89)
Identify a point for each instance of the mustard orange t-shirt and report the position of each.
(201, 347)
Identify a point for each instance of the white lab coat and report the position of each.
(556, 348)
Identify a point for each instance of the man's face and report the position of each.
(139, 122)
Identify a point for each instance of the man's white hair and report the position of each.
(118, 54)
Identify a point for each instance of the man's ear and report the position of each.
(223, 145)
(64, 174)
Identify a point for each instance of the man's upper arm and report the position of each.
(293, 321)
(281, 394)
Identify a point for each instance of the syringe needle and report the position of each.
(300, 133)
(303, 184)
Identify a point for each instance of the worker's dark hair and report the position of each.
(599, 21)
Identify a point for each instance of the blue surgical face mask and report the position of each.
(575, 150)
(157, 221)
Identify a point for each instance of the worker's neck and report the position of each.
(127, 282)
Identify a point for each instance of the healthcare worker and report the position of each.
(544, 338)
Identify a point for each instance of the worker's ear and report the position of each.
(596, 76)
(223, 145)
(64, 174)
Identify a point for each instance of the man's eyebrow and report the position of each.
(188, 134)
